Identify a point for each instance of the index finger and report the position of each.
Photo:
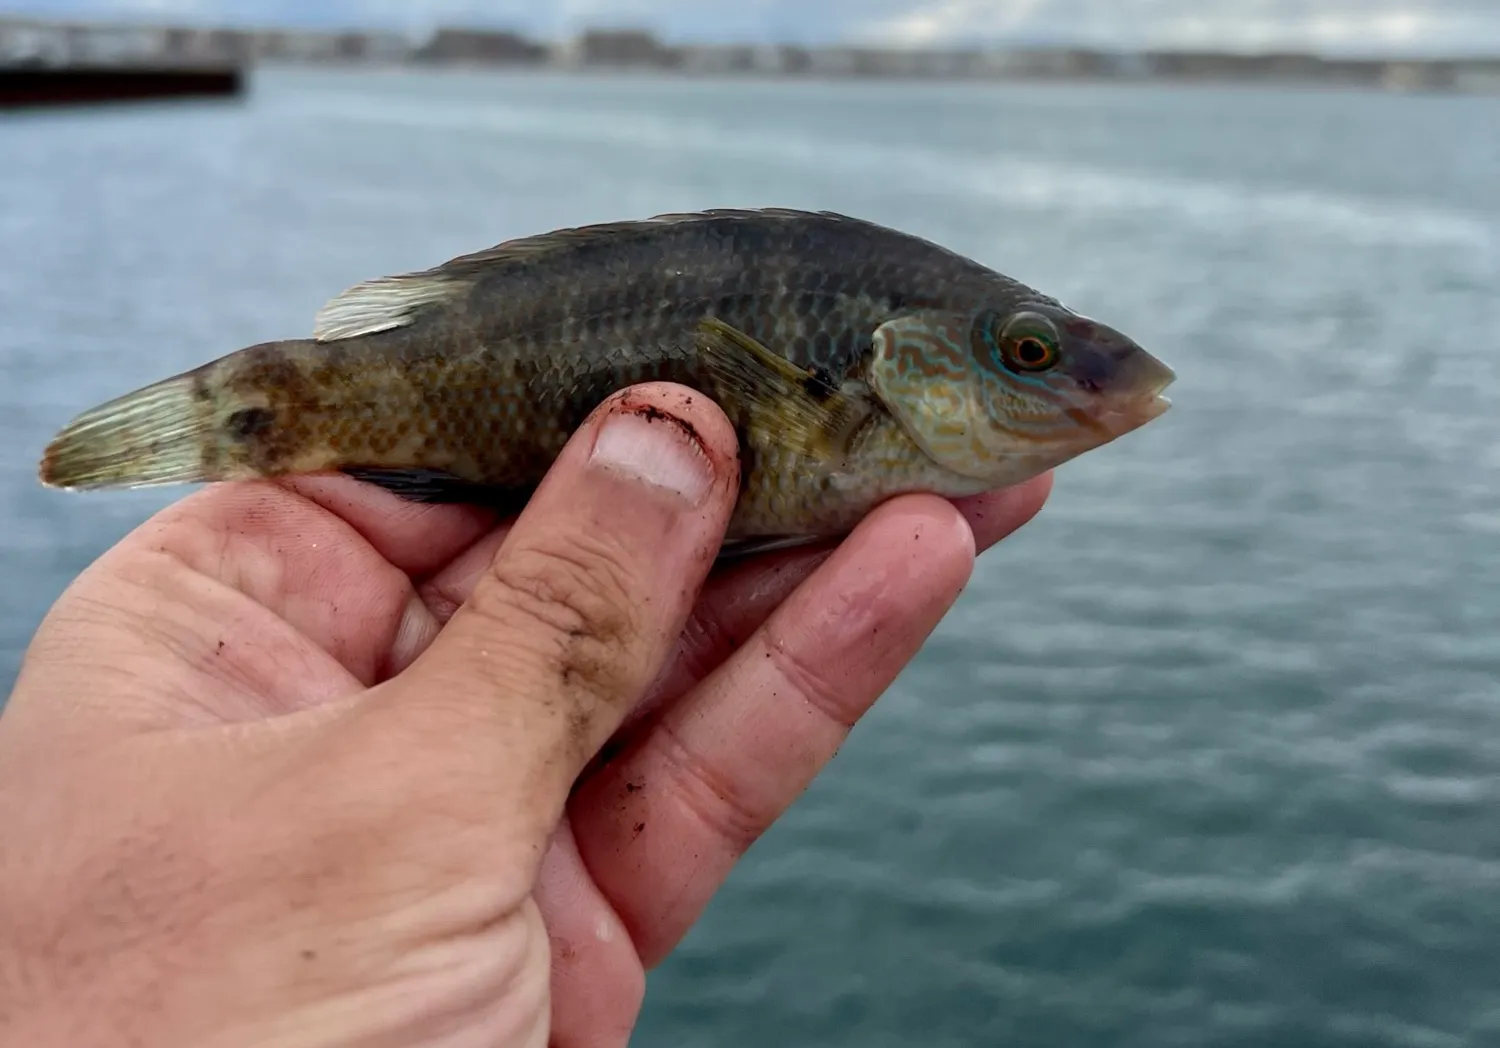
(417, 537)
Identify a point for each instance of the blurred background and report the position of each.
(1207, 755)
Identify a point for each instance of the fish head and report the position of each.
(1002, 394)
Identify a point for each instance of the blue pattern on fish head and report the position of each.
(1000, 395)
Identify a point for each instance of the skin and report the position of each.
(302, 764)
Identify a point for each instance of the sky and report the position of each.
(1333, 26)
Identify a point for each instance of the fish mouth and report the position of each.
(1129, 411)
(1123, 418)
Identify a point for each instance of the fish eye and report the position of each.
(1031, 352)
(1029, 342)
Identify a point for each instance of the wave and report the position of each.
(1007, 179)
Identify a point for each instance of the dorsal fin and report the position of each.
(383, 303)
(391, 302)
(530, 247)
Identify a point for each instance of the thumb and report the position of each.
(579, 609)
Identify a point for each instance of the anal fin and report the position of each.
(738, 548)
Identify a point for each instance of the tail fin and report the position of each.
(153, 436)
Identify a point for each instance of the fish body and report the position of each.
(855, 361)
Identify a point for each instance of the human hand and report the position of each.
(303, 764)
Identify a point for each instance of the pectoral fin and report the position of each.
(793, 407)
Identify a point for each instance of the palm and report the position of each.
(270, 600)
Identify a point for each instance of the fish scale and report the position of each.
(856, 362)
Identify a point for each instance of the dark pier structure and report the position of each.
(61, 64)
(23, 87)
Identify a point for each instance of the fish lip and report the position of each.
(1134, 408)
(1125, 416)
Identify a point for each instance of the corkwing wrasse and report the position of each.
(857, 362)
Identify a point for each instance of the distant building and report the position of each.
(1067, 63)
(1290, 67)
(620, 48)
(714, 59)
(832, 61)
(482, 47)
(746, 59)
(1478, 76)
(795, 60)
(30, 44)
(305, 46)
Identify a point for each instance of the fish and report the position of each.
(856, 362)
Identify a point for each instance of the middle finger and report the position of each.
(733, 603)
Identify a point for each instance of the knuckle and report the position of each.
(719, 803)
(811, 682)
(579, 590)
(582, 596)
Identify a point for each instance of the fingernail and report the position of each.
(656, 448)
